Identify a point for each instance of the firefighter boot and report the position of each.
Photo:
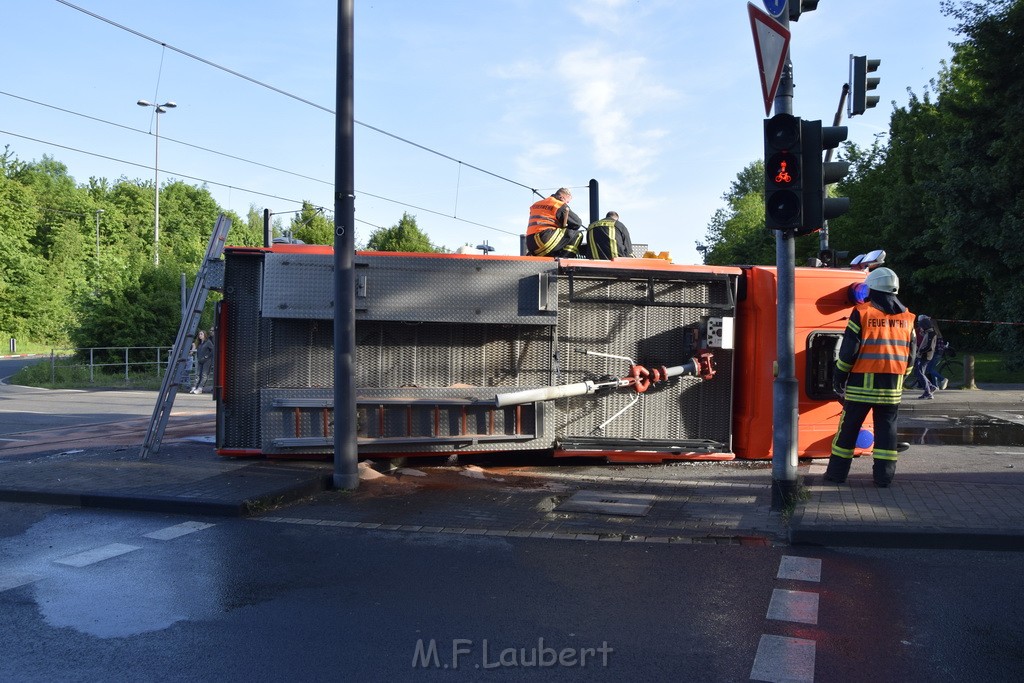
(837, 469)
(883, 471)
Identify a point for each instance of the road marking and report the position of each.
(798, 606)
(88, 557)
(784, 659)
(9, 581)
(608, 503)
(800, 568)
(817, 469)
(177, 530)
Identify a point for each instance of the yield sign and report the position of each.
(771, 43)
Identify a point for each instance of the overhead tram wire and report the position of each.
(132, 163)
(166, 138)
(279, 91)
(243, 189)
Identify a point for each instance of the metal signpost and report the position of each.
(785, 397)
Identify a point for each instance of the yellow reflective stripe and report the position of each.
(853, 327)
(544, 247)
(843, 365)
(841, 452)
(883, 455)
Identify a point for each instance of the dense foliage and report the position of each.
(944, 197)
(403, 236)
(76, 266)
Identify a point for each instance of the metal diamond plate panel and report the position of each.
(238, 416)
(298, 286)
(414, 289)
(647, 320)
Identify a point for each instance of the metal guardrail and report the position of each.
(132, 362)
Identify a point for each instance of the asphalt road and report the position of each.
(89, 595)
(33, 419)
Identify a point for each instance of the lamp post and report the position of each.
(98, 212)
(160, 109)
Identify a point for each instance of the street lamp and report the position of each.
(98, 212)
(160, 109)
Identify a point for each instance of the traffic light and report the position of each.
(860, 67)
(783, 204)
(798, 6)
(818, 207)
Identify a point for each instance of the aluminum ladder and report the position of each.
(177, 367)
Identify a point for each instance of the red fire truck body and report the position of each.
(633, 360)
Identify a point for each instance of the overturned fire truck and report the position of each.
(633, 360)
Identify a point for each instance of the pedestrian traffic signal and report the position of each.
(860, 101)
(798, 6)
(783, 204)
(818, 207)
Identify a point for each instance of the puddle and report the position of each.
(968, 431)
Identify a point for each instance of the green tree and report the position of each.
(20, 282)
(736, 234)
(403, 236)
(311, 226)
(187, 216)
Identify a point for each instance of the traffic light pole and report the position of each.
(784, 390)
(823, 244)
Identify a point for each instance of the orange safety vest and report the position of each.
(884, 341)
(542, 215)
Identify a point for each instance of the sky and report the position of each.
(658, 100)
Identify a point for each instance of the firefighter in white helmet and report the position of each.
(876, 353)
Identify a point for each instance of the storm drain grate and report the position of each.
(609, 503)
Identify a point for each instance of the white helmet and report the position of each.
(883, 280)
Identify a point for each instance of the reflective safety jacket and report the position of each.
(877, 351)
(542, 215)
(608, 239)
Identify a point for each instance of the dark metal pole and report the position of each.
(346, 456)
(785, 396)
(595, 205)
(836, 120)
(267, 239)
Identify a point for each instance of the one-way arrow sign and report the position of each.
(771, 43)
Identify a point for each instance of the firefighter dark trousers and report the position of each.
(560, 242)
(845, 441)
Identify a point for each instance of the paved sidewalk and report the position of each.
(944, 495)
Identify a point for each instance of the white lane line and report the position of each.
(88, 557)
(784, 659)
(9, 581)
(798, 606)
(177, 530)
(800, 568)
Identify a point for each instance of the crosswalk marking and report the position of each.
(800, 568)
(784, 659)
(172, 532)
(798, 606)
(9, 581)
(84, 559)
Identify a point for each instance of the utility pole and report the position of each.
(785, 404)
(346, 456)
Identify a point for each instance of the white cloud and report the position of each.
(614, 93)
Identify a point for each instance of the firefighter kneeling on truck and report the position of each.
(876, 353)
(554, 229)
